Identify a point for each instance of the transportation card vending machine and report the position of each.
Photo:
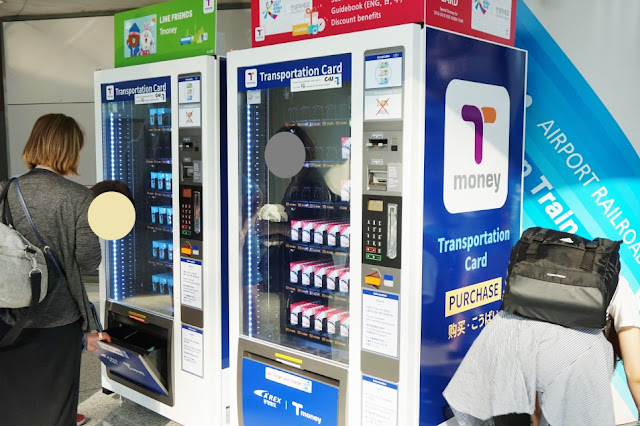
(375, 193)
(164, 289)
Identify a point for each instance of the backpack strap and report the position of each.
(7, 219)
(35, 278)
(45, 248)
(589, 256)
(534, 245)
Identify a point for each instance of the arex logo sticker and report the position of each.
(476, 146)
(268, 398)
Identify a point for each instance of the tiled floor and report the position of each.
(109, 410)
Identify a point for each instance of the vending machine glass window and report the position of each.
(295, 180)
(136, 131)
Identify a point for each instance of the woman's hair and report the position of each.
(55, 142)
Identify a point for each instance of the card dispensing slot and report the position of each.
(377, 143)
(377, 180)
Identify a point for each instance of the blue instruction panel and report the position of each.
(131, 366)
(272, 396)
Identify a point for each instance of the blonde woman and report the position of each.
(40, 371)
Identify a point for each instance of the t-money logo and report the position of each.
(251, 78)
(110, 91)
(476, 146)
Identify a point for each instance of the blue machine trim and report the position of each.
(224, 201)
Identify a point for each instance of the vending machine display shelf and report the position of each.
(158, 193)
(159, 228)
(165, 263)
(336, 296)
(158, 161)
(314, 336)
(327, 205)
(317, 123)
(316, 248)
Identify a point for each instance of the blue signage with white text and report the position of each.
(151, 90)
(327, 69)
(472, 199)
(272, 396)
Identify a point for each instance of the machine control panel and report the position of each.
(382, 212)
(190, 198)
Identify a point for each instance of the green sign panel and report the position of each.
(171, 30)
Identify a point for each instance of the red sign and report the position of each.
(493, 20)
(281, 21)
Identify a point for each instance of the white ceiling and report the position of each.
(24, 8)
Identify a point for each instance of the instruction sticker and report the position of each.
(383, 104)
(379, 402)
(380, 312)
(189, 116)
(191, 283)
(192, 350)
(189, 90)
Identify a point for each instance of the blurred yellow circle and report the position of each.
(111, 216)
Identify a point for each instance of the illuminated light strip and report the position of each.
(113, 243)
(249, 224)
(112, 143)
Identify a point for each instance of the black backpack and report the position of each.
(561, 278)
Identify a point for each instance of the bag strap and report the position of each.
(589, 256)
(35, 277)
(45, 247)
(26, 213)
(7, 219)
(96, 317)
(534, 245)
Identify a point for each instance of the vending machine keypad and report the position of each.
(380, 231)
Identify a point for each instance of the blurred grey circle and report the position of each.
(284, 154)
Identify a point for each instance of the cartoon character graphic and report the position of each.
(146, 41)
(133, 40)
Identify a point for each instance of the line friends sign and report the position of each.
(171, 30)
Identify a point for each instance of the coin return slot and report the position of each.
(377, 180)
